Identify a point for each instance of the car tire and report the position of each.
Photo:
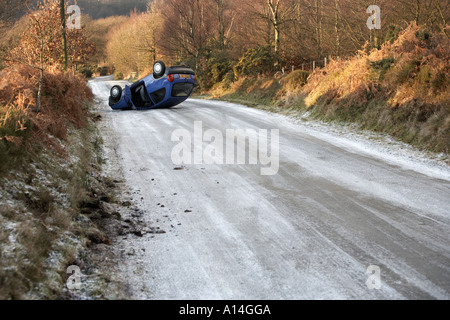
(159, 68)
(116, 93)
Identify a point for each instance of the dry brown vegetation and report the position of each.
(41, 43)
(414, 67)
(97, 32)
(64, 103)
(385, 80)
(38, 101)
(131, 45)
(402, 89)
(46, 154)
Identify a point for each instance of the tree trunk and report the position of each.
(220, 23)
(319, 28)
(277, 39)
(41, 81)
(154, 44)
(336, 28)
(64, 35)
(41, 71)
(417, 13)
(273, 7)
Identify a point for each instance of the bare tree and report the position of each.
(40, 45)
(186, 27)
(276, 13)
(43, 37)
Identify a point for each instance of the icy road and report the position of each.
(344, 217)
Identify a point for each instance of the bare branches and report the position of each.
(298, 30)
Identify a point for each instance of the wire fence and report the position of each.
(306, 66)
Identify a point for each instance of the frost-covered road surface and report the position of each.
(337, 206)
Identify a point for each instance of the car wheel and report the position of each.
(116, 93)
(159, 68)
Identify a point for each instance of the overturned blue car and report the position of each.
(165, 88)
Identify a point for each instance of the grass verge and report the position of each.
(41, 225)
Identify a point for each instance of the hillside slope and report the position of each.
(401, 89)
